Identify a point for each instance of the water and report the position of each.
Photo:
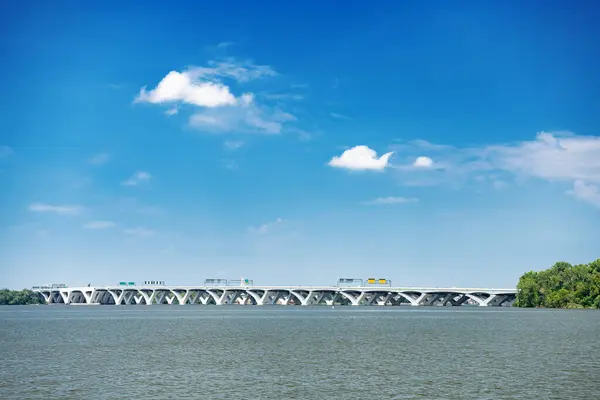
(233, 352)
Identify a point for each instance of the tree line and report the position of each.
(561, 286)
(19, 297)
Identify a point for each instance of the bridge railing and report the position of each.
(240, 282)
(47, 287)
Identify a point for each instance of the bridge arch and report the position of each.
(351, 296)
(408, 298)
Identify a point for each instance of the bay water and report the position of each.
(294, 352)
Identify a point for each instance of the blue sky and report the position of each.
(431, 143)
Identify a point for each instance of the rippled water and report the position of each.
(233, 352)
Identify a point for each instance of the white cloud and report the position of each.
(233, 144)
(139, 232)
(267, 227)
(201, 86)
(181, 87)
(137, 178)
(96, 225)
(586, 192)
(60, 210)
(423, 162)
(249, 118)
(381, 201)
(6, 151)
(361, 158)
(241, 71)
(551, 156)
(99, 159)
(215, 107)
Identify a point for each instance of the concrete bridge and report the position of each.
(276, 295)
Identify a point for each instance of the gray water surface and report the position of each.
(234, 352)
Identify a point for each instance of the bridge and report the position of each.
(243, 294)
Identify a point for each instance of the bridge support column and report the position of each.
(65, 295)
(192, 296)
(181, 296)
(47, 297)
(333, 299)
(370, 298)
(315, 298)
(487, 301)
(170, 296)
(204, 297)
(447, 299)
(418, 301)
(265, 298)
(386, 299)
(432, 299)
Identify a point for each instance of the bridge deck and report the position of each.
(277, 295)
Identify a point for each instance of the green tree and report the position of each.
(20, 297)
(529, 294)
(561, 286)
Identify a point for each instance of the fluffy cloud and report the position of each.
(137, 178)
(214, 105)
(423, 162)
(361, 158)
(60, 210)
(97, 225)
(180, 87)
(99, 159)
(382, 201)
